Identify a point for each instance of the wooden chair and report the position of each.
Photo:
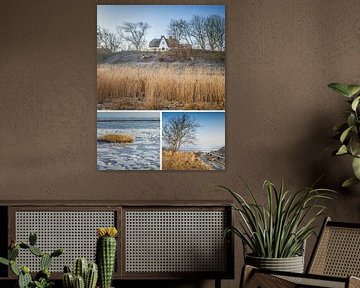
(335, 262)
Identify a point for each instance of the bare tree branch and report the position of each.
(180, 130)
(180, 30)
(107, 39)
(215, 32)
(198, 31)
(134, 33)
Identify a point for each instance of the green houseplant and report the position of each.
(348, 132)
(275, 233)
(42, 278)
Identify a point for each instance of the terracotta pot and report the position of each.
(291, 264)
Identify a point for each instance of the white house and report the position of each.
(163, 44)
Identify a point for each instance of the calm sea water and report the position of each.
(143, 154)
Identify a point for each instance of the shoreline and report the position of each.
(190, 160)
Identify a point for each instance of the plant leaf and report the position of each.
(356, 167)
(4, 261)
(351, 120)
(342, 150)
(279, 228)
(354, 144)
(345, 134)
(349, 182)
(340, 88)
(353, 89)
(14, 268)
(355, 103)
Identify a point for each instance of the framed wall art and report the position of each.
(161, 87)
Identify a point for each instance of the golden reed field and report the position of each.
(183, 161)
(160, 87)
(116, 138)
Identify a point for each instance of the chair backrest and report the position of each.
(337, 251)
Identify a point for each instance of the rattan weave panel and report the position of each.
(305, 282)
(75, 231)
(175, 241)
(338, 253)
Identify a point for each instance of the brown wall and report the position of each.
(281, 54)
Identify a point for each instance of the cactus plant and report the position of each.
(80, 268)
(105, 254)
(24, 277)
(42, 278)
(68, 280)
(36, 251)
(79, 282)
(43, 274)
(32, 239)
(84, 274)
(91, 276)
(45, 261)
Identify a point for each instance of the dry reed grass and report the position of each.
(183, 161)
(163, 87)
(116, 138)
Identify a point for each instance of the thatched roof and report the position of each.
(154, 43)
(171, 42)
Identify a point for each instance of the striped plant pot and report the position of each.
(291, 264)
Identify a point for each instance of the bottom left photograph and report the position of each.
(128, 140)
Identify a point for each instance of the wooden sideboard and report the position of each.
(157, 240)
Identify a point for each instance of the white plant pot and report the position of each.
(291, 264)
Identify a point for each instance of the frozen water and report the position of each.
(142, 154)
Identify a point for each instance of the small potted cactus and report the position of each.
(42, 278)
(106, 254)
(85, 275)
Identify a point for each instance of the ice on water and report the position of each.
(142, 154)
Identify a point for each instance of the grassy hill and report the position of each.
(193, 56)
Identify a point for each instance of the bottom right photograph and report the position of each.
(193, 140)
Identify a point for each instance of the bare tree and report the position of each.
(175, 30)
(180, 30)
(180, 130)
(215, 32)
(201, 32)
(107, 39)
(134, 33)
(198, 31)
(98, 37)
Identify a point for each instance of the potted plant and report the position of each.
(42, 278)
(276, 233)
(348, 132)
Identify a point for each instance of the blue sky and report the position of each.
(211, 132)
(158, 16)
(128, 115)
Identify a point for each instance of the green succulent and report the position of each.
(43, 283)
(348, 133)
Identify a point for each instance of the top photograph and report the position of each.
(160, 57)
